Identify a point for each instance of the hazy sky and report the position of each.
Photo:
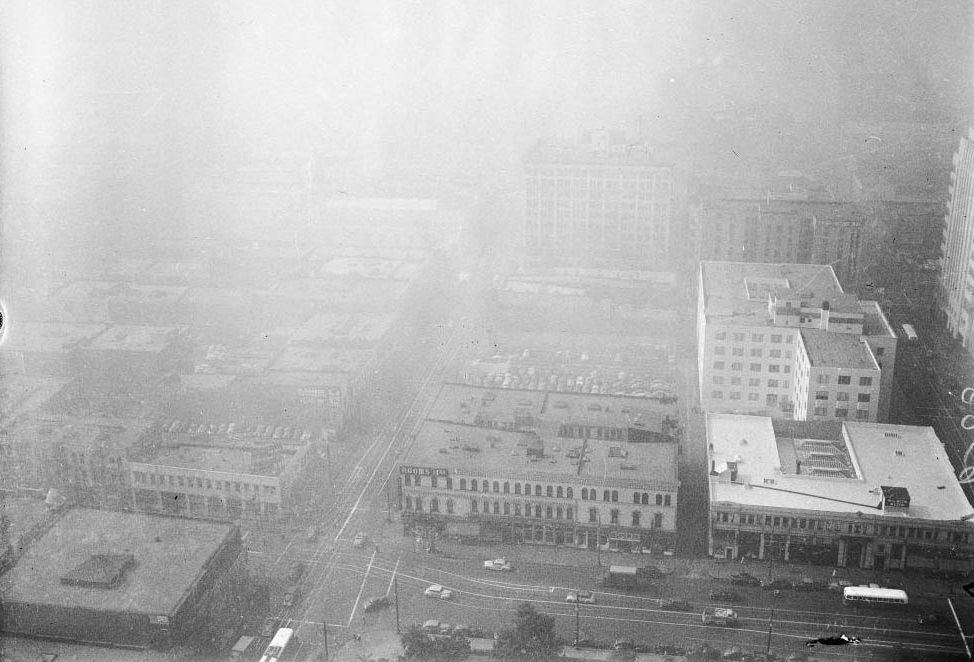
(118, 109)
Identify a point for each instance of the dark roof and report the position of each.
(100, 571)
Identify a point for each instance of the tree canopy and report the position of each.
(532, 639)
(420, 646)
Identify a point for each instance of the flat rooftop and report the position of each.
(851, 462)
(169, 555)
(243, 457)
(50, 337)
(75, 432)
(837, 350)
(481, 450)
(330, 359)
(343, 329)
(133, 338)
(128, 292)
(735, 293)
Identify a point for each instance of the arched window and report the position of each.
(507, 508)
(584, 494)
(558, 512)
(507, 488)
(419, 503)
(568, 512)
(473, 484)
(432, 481)
(537, 490)
(593, 514)
(614, 516)
(463, 483)
(449, 506)
(547, 512)
(615, 496)
(449, 483)
(635, 518)
(659, 499)
(517, 488)
(486, 487)
(537, 510)
(558, 492)
(635, 497)
(497, 487)
(517, 509)
(409, 503)
(570, 494)
(606, 495)
(645, 500)
(658, 521)
(486, 506)
(548, 491)
(592, 494)
(497, 508)
(527, 488)
(473, 505)
(434, 505)
(407, 480)
(666, 500)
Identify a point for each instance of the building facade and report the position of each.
(957, 249)
(860, 495)
(758, 325)
(602, 203)
(513, 466)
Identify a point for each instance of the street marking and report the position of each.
(393, 578)
(360, 590)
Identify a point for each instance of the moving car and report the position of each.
(744, 579)
(503, 565)
(437, 591)
(581, 597)
(375, 604)
(359, 540)
(269, 627)
(719, 616)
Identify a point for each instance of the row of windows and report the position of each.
(861, 528)
(753, 382)
(536, 510)
(823, 378)
(753, 367)
(200, 483)
(842, 412)
(842, 396)
(770, 399)
(756, 337)
(756, 352)
(591, 432)
(559, 492)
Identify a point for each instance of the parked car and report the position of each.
(744, 579)
(839, 584)
(461, 630)
(502, 565)
(437, 591)
(432, 626)
(725, 596)
(776, 585)
(375, 604)
(581, 597)
(676, 605)
(930, 618)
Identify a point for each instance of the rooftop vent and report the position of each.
(100, 571)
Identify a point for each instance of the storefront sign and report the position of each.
(423, 471)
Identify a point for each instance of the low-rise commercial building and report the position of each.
(860, 495)
(123, 579)
(535, 467)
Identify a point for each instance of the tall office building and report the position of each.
(957, 249)
(603, 202)
(785, 340)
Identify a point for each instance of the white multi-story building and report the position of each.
(957, 248)
(772, 336)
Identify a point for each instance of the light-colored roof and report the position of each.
(329, 359)
(878, 455)
(837, 350)
(169, 555)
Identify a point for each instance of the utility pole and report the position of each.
(770, 628)
(324, 627)
(598, 539)
(576, 620)
(395, 584)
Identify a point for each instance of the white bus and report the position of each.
(910, 332)
(277, 647)
(873, 594)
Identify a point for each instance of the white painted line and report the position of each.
(393, 578)
(360, 590)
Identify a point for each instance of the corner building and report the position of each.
(785, 340)
(545, 468)
(857, 495)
